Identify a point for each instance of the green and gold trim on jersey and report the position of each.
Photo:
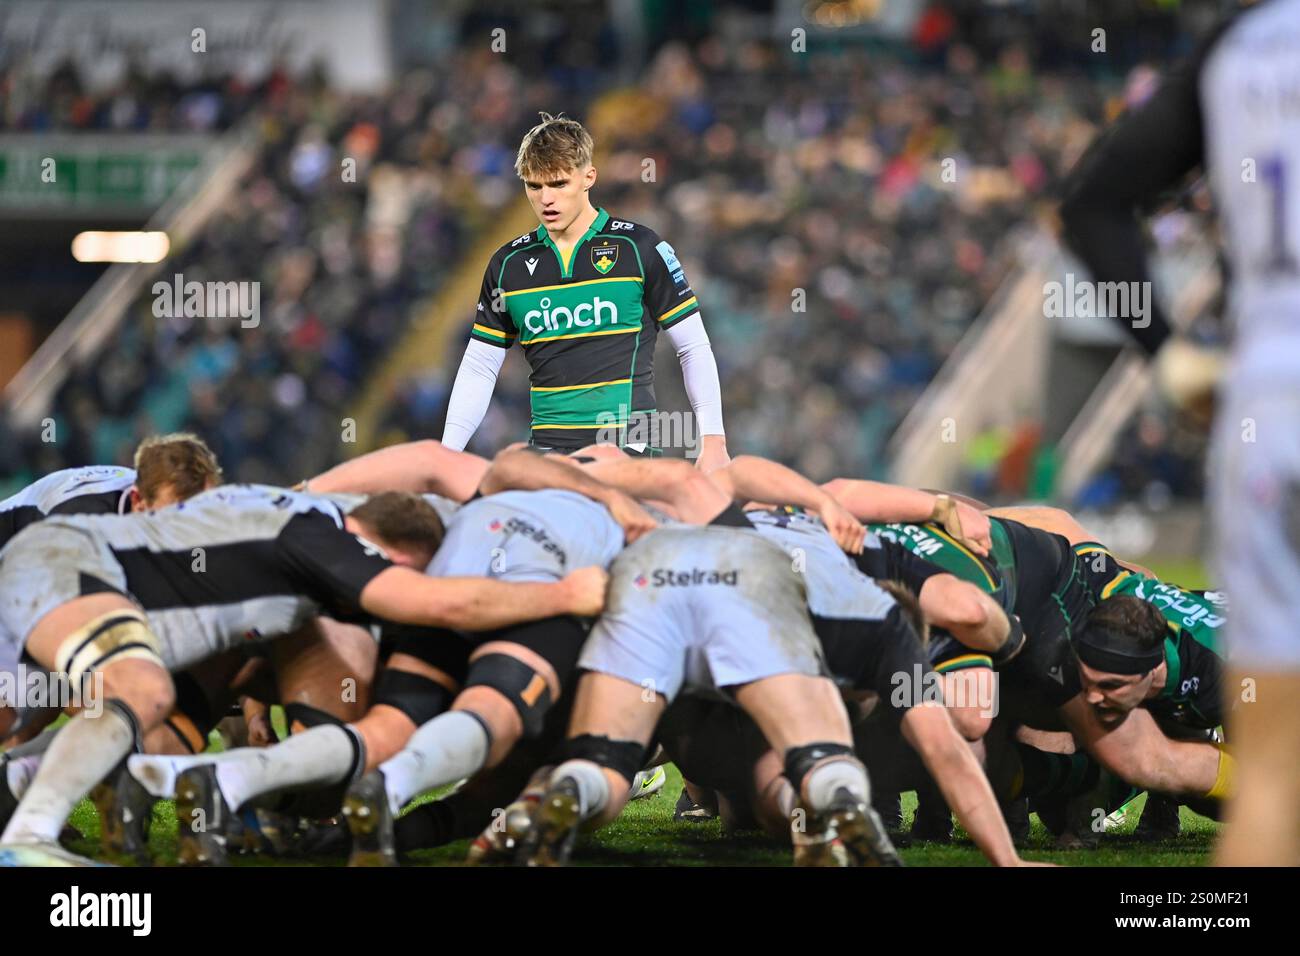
(679, 312)
(963, 662)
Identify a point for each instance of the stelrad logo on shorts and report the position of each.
(673, 578)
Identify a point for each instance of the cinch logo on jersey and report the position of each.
(671, 578)
(74, 908)
(585, 315)
(1174, 602)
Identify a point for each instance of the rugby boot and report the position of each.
(125, 811)
(647, 783)
(553, 829)
(370, 820)
(500, 840)
(202, 818)
(688, 811)
(813, 843)
(860, 829)
(933, 819)
(1159, 820)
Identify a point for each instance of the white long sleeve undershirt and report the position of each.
(699, 373)
(472, 392)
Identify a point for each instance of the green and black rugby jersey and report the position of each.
(1194, 651)
(587, 326)
(1030, 573)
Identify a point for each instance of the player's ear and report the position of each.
(137, 502)
(589, 178)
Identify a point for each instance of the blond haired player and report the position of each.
(585, 295)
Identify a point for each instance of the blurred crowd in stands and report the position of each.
(843, 216)
(61, 102)
(342, 266)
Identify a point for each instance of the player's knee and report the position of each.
(527, 691)
(116, 655)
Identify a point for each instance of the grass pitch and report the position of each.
(647, 835)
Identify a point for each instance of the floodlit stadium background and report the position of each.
(862, 194)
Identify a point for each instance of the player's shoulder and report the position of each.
(515, 244)
(646, 238)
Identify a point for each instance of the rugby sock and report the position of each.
(824, 780)
(82, 754)
(1050, 774)
(19, 773)
(448, 748)
(1226, 778)
(325, 754)
(158, 773)
(593, 788)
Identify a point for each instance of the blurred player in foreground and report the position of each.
(1231, 108)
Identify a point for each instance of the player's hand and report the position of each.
(260, 731)
(847, 530)
(1187, 374)
(257, 718)
(632, 518)
(586, 591)
(970, 526)
(713, 454)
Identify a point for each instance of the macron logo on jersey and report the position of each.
(532, 265)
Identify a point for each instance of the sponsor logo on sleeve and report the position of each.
(674, 266)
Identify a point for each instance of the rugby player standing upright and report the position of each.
(585, 295)
(1232, 109)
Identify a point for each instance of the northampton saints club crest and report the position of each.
(604, 257)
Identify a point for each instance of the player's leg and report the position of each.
(103, 638)
(513, 681)
(613, 721)
(803, 719)
(1263, 815)
(1256, 505)
(125, 807)
(323, 674)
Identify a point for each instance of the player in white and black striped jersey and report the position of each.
(475, 695)
(128, 597)
(168, 468)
